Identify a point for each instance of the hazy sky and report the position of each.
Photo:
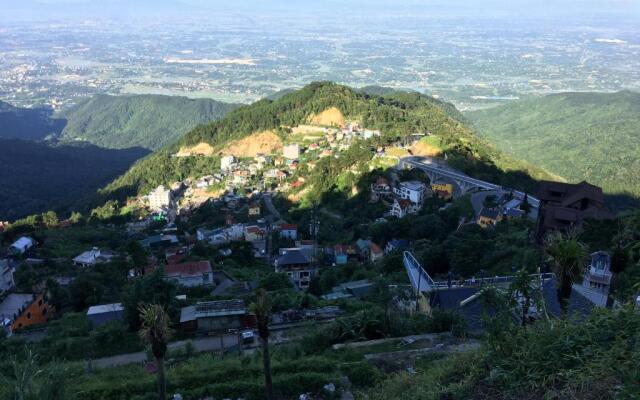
(50, 9)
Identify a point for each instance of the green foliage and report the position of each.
(150, 289)
(149, 121)
(36, 177)
(579, 136)
(395, 114)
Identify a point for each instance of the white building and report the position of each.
(6, 276)
(160, 198)
(414, 191)
(23, 244)
(597, 279)
(291, 151)
(227, 162)
(92, 257)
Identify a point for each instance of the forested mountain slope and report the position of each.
(35, 177)
(580, 136)
(28, 123)
(149, 121)
(396, 114)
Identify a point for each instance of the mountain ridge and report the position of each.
(577, 135)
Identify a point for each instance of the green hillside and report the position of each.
(579, 136)
(395, 114)
(36, 178)
(149, 121)
(27, 123)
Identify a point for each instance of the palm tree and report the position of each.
(262, 310)
(523, 293)
(155, 331)
(568, 257)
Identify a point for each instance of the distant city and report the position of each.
(473, 64)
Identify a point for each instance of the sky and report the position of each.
(52, 9)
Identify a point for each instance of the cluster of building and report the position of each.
(407, 197)
(506, 207)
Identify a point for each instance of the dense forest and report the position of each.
(579, 136)
(395, 114)
(149, 121)
(28, 123)
(36, 177)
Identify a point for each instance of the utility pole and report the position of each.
(314, 227)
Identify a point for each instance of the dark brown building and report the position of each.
(565, 206)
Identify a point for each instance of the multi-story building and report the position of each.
(596, 283)
(19, 311)
(160, 198)
(291, 151)
(298, 267)
(414, 191)
(564, 206)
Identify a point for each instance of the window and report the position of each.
(44, 312)
(28, 315)
(40, 302)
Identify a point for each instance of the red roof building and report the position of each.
(196, 273)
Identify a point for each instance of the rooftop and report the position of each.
(105, 308)
(188, 268)
(210, 309)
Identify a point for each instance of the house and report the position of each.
(226, 285)
(489, 217)
(159, 241)
(6, 276)
(227, 162)
(596, 282)
(254, 209)
(92, 257)
(375, 252)
(104, 313)
(357, 289)
(254, 232)
(381, 186)
(19, 311)
(216, 316)
(337, 254)
(214, 237)
(403, 207)
(22, 245)
(512, 213)
(443, 190)
(289, 231)
(291, 151)
(396, 245)
(296, 265)
(160, 198)
(565, 206)
(190, 274)
(414, 191)
(369, 251)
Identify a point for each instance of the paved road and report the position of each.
(269, 204)
(279, 335)
(477, 199)
(212, 343)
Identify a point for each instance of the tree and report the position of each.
(137, 254)
(150, 289)
(50, 219)
(523, 293)
(262, 310)
(155, 331)
(568, 256)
